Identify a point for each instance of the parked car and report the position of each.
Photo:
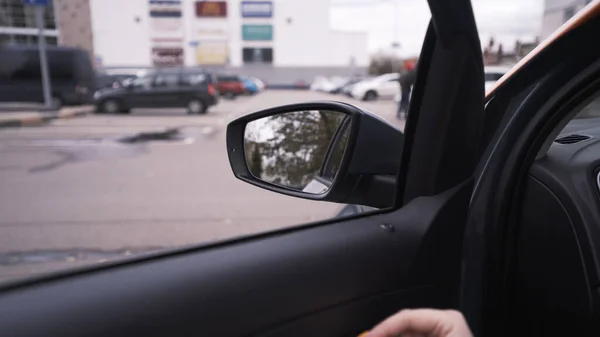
(250, 85)
(322, 84)
(347, 85)
(347, 89)
(384, 86)
(72, 76)
(104, 80)
(170, 87)
(259, 83)
(230, 86)
(493, 74)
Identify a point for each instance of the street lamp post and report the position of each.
(395, 33)
(40, 6)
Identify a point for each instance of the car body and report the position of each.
(104, 80)
(345, 84)
(322, 84)
(169, 87)
(250, 85)
(230, 86)
(491, 215)
(72, 79)
(493, 74)
(259, 83)
(383, 86)
(347, 89)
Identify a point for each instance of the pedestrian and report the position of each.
(406, 82)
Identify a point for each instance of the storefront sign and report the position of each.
(257, 55)
(211, 9)
(163, 56)
(257, 32)
(216, 33)
(212, 53)
(169, 26)
(165, 19)
(257, 9)
(165, 8)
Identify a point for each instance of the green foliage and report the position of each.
(384, 64)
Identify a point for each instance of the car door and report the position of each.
(332, 278)
(167, 91)
(140, 93)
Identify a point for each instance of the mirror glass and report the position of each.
(300, 150)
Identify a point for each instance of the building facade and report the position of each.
(18, 26)
(67, 22)
(277, 40)
(557, 12)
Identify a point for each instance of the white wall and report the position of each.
(554, 14)
(306, 41)
(118, 39)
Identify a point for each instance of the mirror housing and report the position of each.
(369, 166)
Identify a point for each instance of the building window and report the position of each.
(257, 55)
(568, 13)
(26, 39)
(13, 13)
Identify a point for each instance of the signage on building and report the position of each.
(208, 33)
(216, 9)
(167, 56)
(257, 9)
(257, 32)
(257, 55)
(165, 8)
(166, 26)
(212, 52)
(165, 19)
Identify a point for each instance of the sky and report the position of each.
(505, 20)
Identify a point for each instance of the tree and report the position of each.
(383, 64)
(296, 145)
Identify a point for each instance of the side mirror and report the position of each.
(330, 151)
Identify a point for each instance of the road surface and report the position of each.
(71, 194)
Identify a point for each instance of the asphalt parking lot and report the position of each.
(70, 194)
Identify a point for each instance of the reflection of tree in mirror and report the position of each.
(289, 149)
(255, 162)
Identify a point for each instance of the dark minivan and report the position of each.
(191, 88)
(72, 75)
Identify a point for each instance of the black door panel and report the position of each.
(353, 318)
(245, 287)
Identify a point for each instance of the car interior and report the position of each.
(543, 251)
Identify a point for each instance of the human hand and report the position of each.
(423, 322)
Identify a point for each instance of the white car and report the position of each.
(493, 74)
(322, 84)
(384, 86)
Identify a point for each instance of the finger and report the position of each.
(421, 321)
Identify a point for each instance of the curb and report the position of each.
(41, 118)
